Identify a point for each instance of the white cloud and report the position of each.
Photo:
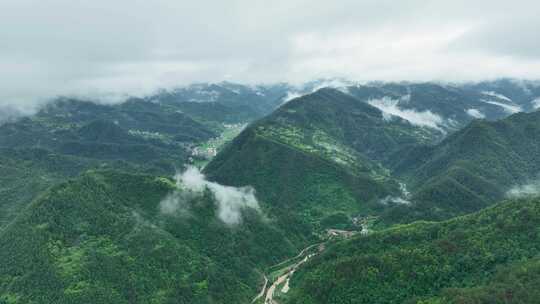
(527, 190)
(310, 87)
(230, 200)
(476, 113)
(394, 200)
(336, 83)
(175, 203)
(64, 47)
(390, 107)
(291, 95)
(495, 94)
(510, 109)
(536, 103)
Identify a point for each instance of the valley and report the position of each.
(223, 193)
(284, 152)
(203, 153)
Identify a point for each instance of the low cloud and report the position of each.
(313, 86)
(526, 190)
(72, 47)
(230, 200)
(476, 113)
(176, 203)
(398, 200)
(510, 109)
(291, 95)
(335, 83)
(536, 103)
(9, 113)
(390, 107)
(394, 200)
(495, 94)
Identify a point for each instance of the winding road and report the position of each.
(268, 293)
(261, 294)
(269, 299)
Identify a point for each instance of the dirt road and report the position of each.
(269, 299)
(261, 294)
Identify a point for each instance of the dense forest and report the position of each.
(398, 190)
(456, 261)
(103, 238)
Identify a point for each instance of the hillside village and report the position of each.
(203, 153)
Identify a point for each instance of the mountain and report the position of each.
(457, 261)
(113, 237)
(524, 93)
(512, 283)
(28, 172)
(441, 106)
(154, 134)
(471, 168)
(317, 158)
(75, 241)
(70, 136)
(66, 121)
(87, 216)
(406, 170)
(237, 102)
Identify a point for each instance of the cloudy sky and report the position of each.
(93, 47)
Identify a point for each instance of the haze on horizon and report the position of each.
(62, 47)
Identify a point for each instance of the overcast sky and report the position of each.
(93, 47)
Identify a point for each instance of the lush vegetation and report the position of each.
(28, 172)
(296, 188)
(315, 160)
(416, 262)
(102, 238)
(470, 169)
(325, 160)
(330, 119)
(326, 143)
(70, 136)
(514, 283)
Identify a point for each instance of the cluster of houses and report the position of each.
(204, 153)
(210, 148)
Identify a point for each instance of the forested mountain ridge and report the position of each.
(450, 106)
(68, 137)
(316, 158)
(445, 178)
(350, 158)
(108, 236)
(425, 262)
(140, 135)
(474, 167)
(225, 101)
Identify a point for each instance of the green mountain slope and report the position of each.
(103, 238)
(514, 283)
(324, 160)
(329, 119)
(474, 167)
(317, 157)
(27, 172)
(295, 187)
(407, 264)
(69, 136)
(141, 132)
